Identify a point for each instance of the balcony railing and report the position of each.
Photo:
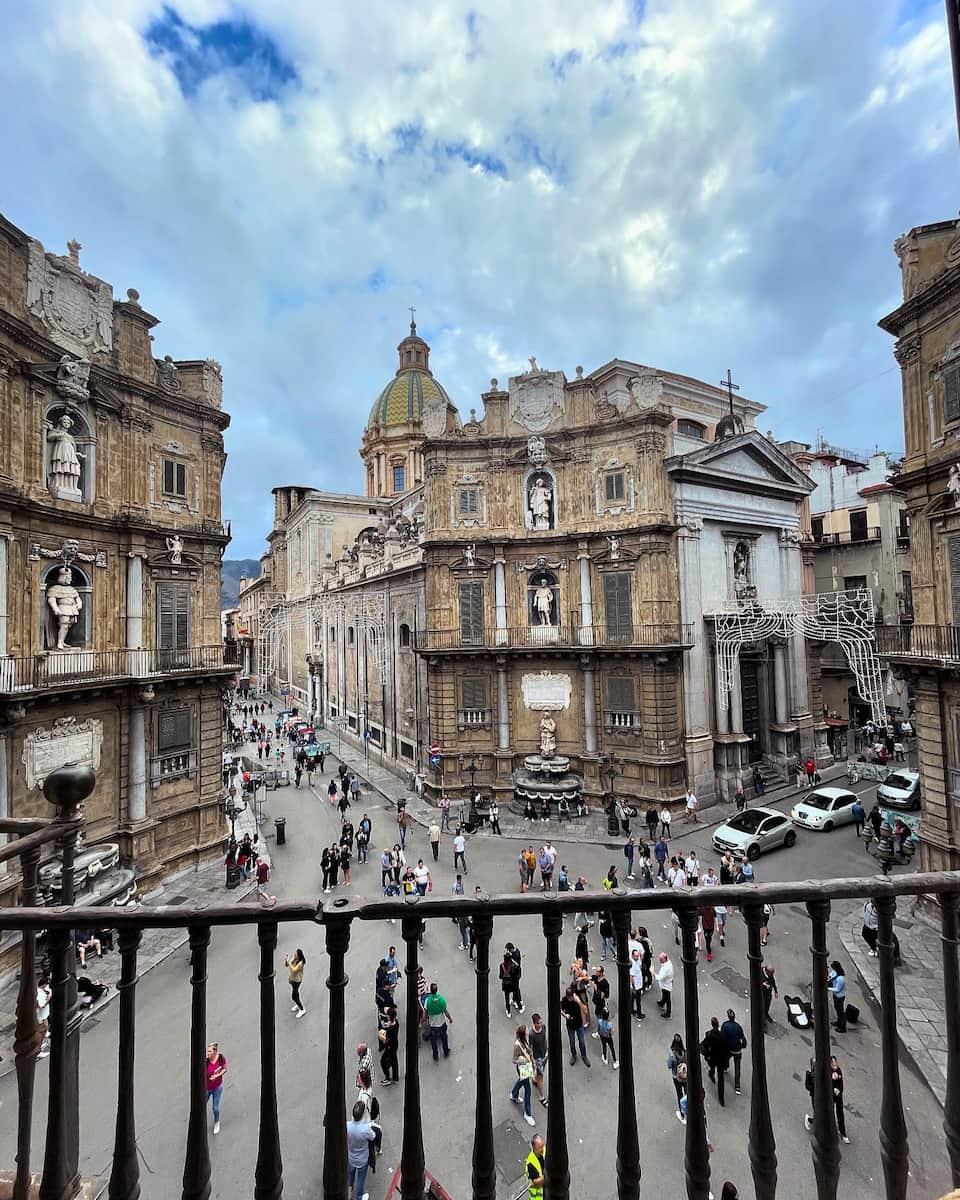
(473, 718)
(338, 918)
(848, 538)
(557, 637)
(620, 721)
(54, 668)
(173, 765)
(935, 642)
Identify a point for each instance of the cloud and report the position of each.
(690, 184)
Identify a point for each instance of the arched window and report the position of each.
(404, 636)
(66, 617)
(691, 429)
(333, 634)
(69, 453)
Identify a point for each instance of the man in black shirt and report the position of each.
(717, 1053)
(732, 1030)
(573, 1013)
(601, 992)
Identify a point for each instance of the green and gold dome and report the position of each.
(412, 389)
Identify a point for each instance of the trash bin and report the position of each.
(280, 823)
(234, 875)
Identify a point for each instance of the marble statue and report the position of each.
(613, 544)
(470, 555)
(741, 560)
(541, 501)
(64, 474)
(543, 602)
(548, 735)
(65, 604)
(175, 546)
(953, 484)
(73, 377)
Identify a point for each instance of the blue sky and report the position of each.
(692, 184)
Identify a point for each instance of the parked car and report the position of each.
(900, 789)
(824, 808)
(754, 831)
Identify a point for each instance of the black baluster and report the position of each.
(697, 1156)
(196, 1169)
(28, 1036)
(826, 1140)
(412, 1180)
(951, 998)
(628, 1140)
(335, 1120)
(57, 1182)
(894, 1147)
(125, 1175)
(269, 1172)
(557, 1170)
(763, 1149)
(484, 1159)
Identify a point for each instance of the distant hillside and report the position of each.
(233, 568)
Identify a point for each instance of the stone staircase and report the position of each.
(772, 778)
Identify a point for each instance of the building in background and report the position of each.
(927, 652)
(110, 546)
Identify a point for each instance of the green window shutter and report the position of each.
(951, 397)
(471, 612)
(174, 730)
(173, 616)
(953, 551)
(474, 692)
(620, 693)
(616, 605)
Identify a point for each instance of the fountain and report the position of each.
(546, 777)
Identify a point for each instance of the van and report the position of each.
(900, 789)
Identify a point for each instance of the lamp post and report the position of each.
(612, 767)
(232, 810)
(311, 687)
(472, 767)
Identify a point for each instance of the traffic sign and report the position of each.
(435, 760)
(434, 747)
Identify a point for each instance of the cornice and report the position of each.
(945, 284)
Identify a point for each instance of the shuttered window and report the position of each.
(620, 693)
(471, 613)
(174, 478)
(174, 730)
(951, 395)
(173, 616)
(473, 692)
(616, 605)
(954, 553)
(469, 501)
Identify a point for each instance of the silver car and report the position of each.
(753, 831)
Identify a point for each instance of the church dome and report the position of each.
(411, 390)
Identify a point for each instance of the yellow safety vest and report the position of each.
(536, 1189)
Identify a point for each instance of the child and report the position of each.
(605, 1031)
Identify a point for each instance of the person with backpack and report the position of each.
(677, 1066)
(509, 973)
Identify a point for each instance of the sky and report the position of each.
(689, 184)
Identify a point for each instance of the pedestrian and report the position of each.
(636, 985)
(297, 775)
(768, 988)
(509, 973)
(740, 799)
(665, 819)
(363, 843)
(692, 803)
(876, 820)
(438, 1018)
(295, 967)
(692, 868)
(732, 1030)
(216, 1069)
(364, 1060)
(652, 818)
(459, 851)
(398, 861)
(360, 1133)
(44, 996)
(343, 804)
(720, 915)
(611, 883)
(759, 783)
(523, 1065)
(263, 878)
(677, 1058)
(582, 951)
(320, 759)
(386, 868)
(660, 853)
(495, 818)
(371, 1106)
(601, 991)
(836, 1083)
(444, 807)
(708, 924)
(800, 778)
(810, 769)
(664, 977)
(859, 816)
(434, 835)
(345, 857)
(628, 852)
(545, 863)
(608, 944)
(869, 931)
(575, 1014)
(530, 860)
(563, 879)
(537, 1037)
(422, 878)
(332, 791)
(605, 1033)
(727, 870)
(388, 1035)
(715, 1050)
(334, 864)
(767, 913)
(535, 1168)
(747, 872)
(837, 983)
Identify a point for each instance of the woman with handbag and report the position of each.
(523, 1064)
(295, 967)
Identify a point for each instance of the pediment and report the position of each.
(749, 459)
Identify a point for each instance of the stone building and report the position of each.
(927, 328)
(110, 548)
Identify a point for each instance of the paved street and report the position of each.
(448, 1088)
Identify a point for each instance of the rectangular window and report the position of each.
(473, 692)
(852, 582)
(906, 594)
(858, 525)
(951, 395)
(174, 478)
(617, 609)
(173, 616)
(816, 528)
(614, 487)
(620, 693)
(399, 476)
(469, 502)
(953, 554)
(406, 750)
(174, 752)
(471, 613)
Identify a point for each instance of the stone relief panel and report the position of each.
(546, 691)
(75, 308)
(536, 397)
(69, 741)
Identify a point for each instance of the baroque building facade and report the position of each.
(110, 549)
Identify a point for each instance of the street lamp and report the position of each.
(472, 767)
(312, 666)
(232, 810)
(612, 767)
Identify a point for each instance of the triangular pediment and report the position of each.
(748, 459)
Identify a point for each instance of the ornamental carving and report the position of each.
(651, 443)
(907, 351)
(73, 378)
(646, 391)
(69, 552)
(168, 376)
(435, 418)
(436, 468)
(791, 537)
(535, 397)
(211, 381)
(76, 309)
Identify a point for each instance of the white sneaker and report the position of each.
(301, 1013)
(520, 1008)
(871, 954)
(616, 1066)
(216, 1127)
(595, 1035)
(293, 1008)
(531, 1121)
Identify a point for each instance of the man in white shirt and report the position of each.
(551, 851)
(692, 803)
(664, 978)
(459, 848)
(665, 823)
(710, 879)
(679, 880)
(693, 869)
(422, 877)
(636, 985)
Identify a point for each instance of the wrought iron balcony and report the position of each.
(937, 643)
(672, 635)
(58, 668)
(338, 918)
(848, 537)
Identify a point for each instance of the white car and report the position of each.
(753, 831)
(824, 808)
(900, 789)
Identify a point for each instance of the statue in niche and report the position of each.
(541, 503)
(175, 546)
(741, 565)
(543, 601)
(613, 544)
(64, 474)
(470, 555)
(953, 484)
(66, 605)
(548, 735)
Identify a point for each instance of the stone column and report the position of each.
(799, 704)
(503, 708)
(736, 699)
(781, 704)
(695, 663)
(134, 601)
(137, 764)
(246, 658)
(4, 541)
(500, 600)
(586, 598)
(4, 779)
(341, 664)
(589, 705)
